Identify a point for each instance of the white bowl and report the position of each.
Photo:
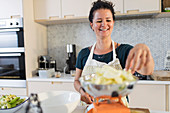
(59, 101)
(14, 109)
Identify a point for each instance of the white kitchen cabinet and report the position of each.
(38, 87)
(134, 6)
(15, 91)
(76, 8)
(11, 8)
(150, 96)
(50, 12)
(54, 9)
(46, 9)
(118, 5)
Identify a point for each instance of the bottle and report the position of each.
(33, 104)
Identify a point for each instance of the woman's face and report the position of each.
(102, 23)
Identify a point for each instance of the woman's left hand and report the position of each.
(140, 60)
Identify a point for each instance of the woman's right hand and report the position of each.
(86, 97)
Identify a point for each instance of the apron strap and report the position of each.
(92, 51)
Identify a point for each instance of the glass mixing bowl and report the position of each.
(113, 90)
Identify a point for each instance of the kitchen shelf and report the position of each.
(47, 22)
(62, 21)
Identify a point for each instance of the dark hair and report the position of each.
(101, 4)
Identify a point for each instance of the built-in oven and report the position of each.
(12, 53)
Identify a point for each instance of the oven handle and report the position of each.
(12, 50)
(9, 30)
(11, 54)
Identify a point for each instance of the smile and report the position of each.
(104, 29)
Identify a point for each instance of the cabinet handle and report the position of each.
(117, 12)
(56, 82)
(54, 17)
(69, 16)
(133, 11)
(16, 16)
(6, 88)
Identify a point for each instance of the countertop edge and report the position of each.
(37, 79)
(71, 79)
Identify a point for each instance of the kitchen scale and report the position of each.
(107, 97)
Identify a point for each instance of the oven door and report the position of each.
(12, 37)
(12, 67)
(12, 63)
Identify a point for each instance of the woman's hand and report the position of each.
(86, 97)
(140, 60)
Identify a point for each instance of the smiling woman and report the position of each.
(137, 58)
(102, 23)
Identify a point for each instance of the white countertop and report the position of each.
(68, 78)
(81, 109)
(65, 78)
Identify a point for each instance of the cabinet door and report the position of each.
(38, 87)
(46, 9)
(148, 96)
(10, 8)
(15, 91)
(118, 5)
(141, 5)
(77, 8)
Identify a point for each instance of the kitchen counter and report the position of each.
(81, 109)
(68, 78)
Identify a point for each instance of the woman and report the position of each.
(105, 51)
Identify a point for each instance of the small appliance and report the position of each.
(71, 59)
(46, 62)
(167, 61)
(47, 66)
(43, 62)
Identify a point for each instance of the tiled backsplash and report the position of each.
(153, 32)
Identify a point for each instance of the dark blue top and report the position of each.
(122, 52)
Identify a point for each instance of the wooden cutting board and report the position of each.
(139, 110)
(161, 75)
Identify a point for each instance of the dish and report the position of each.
(108, 81)
(14, 109)
(60, 101)
(110, 90)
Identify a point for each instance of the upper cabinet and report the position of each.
(137, 6)
(11, 8)
(49, 12)
(57, 9)
(118, 6)
(47, 9)
(75, 8)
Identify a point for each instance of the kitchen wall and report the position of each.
(153, 32)
(35, 39)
